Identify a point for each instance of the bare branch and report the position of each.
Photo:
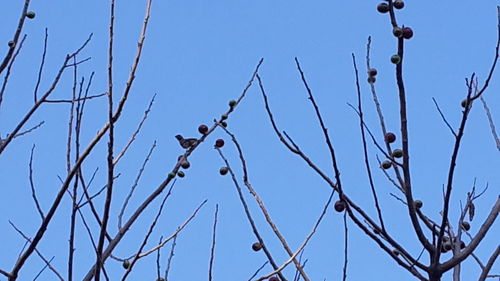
(32, 185)
(212, 249)
(492, 124)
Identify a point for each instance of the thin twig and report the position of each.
(170, 257)
(258, 270)
(365, 151)
(76, 100)
(32, 185)
(346, 238)
(212, 249)
(158, 267)
(134, 135)
(40, 70)
(136, 182)
(492, 124)
(443, 117)
(179, 229)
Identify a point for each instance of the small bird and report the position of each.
(186, 143)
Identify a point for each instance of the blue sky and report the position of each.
(199, 55)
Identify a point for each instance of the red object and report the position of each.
(390, 137)
(339, 206)
(407, 33)
(219, 143)
(203, 129)
(274, 278)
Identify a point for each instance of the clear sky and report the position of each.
(199, 55)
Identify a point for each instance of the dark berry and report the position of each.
(395, 59)
(232, 103)
(386, 164)
(397, 153)
(383, 8)
(126, 264)
(219, 143)
(418, 204)
(397, 31)
(256, 246)
(390, 137)
(223, 171)
(465, 226)
(372, 72)
(203, 129)
(339, 206)
(185, 164)
(399, 4)
(407, 33)
(30, 15)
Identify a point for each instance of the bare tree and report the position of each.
(97, 211)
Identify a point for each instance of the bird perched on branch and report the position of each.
(186, 143)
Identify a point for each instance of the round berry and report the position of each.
(407, 33)
(399, 4)
(203, 129)
(447, 246)
(224, 124)
(397, 31)
(397, 153)
(11, 43)
(274, 278)
(395, 252)
(171, 175)
(464, 103)
(371, 79)
(465, 225)
(395, 59)
(462, 244)
(383, 8)
(339, 206)
(181, 174)
(223, 171)
(126, 264)
(372, 72)
(224, 117)
(256, 246)
(386, 164)
(390, 137)
(30, 15)
(185, 164)
(219, 143)
(232, 103)
(418, 204)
